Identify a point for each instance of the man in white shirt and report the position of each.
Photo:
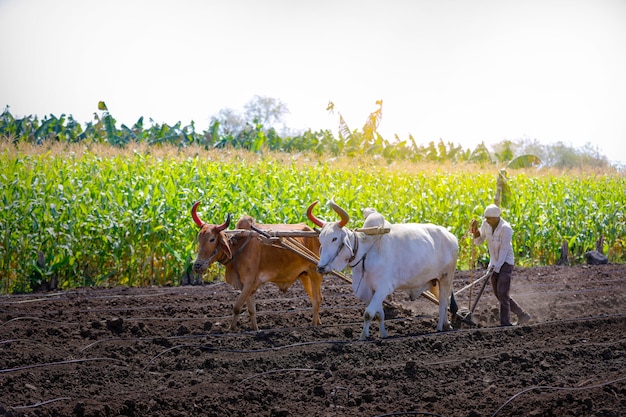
(499, 236)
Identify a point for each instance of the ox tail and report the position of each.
(453, 305)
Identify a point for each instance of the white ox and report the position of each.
(411, 257)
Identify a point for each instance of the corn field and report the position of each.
(106, 216)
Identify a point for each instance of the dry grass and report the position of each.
(296, 159)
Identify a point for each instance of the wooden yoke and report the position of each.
(373, 230)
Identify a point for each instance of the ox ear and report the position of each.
(225, 245)
(346, 241)
(311, 216)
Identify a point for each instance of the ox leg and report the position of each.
(316, 301)
(381, 324)
(246, 297)
(252, 311)
(445, 291)
(365, 333)
(312, 284)
(374, 311)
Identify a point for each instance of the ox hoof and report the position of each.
(447, 327)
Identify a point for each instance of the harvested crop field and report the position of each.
(167, 351)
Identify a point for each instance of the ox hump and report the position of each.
(245, 222)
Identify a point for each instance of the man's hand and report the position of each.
(474, 228)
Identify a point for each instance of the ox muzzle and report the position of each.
(201, 265)
(323, 269)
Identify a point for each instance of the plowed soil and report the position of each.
(168, 352)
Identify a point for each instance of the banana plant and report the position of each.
(365, 141)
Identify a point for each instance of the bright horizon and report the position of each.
(465, 72)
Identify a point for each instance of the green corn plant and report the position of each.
(122, 218)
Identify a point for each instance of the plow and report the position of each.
(286, 240)
(465, 316)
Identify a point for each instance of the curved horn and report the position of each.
(345, 218)
(225, 224)
(311, 216)
(194, 215)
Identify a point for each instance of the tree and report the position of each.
(231, 123)
(560, 155)
(260, 113)
(267, 111)
(480, 154)
(503, 151)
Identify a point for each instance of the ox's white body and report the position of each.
(410, 257)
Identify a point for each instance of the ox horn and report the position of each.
(345, 218)
(194, 215)
(311, 216)
(225, 224)
(200, 223)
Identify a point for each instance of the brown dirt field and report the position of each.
(167, 352)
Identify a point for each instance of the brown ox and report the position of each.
(250, 262)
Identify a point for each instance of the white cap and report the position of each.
(492, 211)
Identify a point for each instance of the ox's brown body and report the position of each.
(250, 262)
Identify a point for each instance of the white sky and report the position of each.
(465, 71)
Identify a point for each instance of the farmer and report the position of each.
(499, 235)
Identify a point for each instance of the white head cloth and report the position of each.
(492, 211)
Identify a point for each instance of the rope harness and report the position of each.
(356, 246)
(379, 231)
(362, 260)
(232, 241)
